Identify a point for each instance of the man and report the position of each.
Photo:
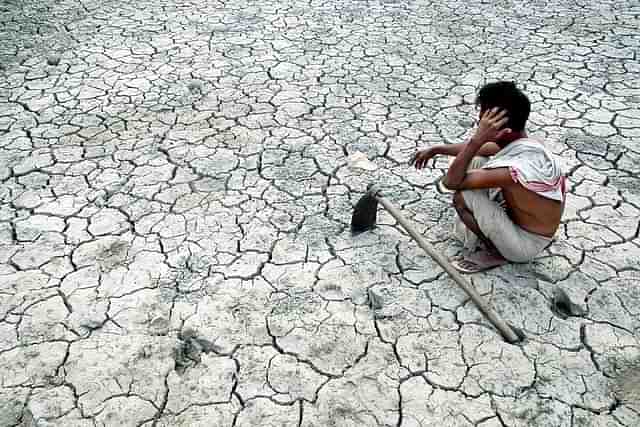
(509, 190)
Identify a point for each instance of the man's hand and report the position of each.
(490, 126)
(421, 157)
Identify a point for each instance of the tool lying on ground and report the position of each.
(364, 218)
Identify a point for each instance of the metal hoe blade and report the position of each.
(365, 213)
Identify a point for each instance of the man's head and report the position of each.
(505, 96)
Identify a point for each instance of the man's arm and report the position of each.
(458, 169)
(489, 129)
(486, 178)
(487, 150)
(421, 157)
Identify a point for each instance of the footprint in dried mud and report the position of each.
(190, 349)
(159, 325)
(627, 386)
(113, 255)
(375, 300)
(563, 307)
(53, 60)
(195, 87)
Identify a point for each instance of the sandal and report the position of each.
(480, 261)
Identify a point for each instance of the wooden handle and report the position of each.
(489, 313)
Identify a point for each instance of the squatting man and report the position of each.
(509, 191)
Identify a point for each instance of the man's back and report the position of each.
(533, 212)
(535, 200)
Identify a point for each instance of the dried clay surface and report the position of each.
(176, 185)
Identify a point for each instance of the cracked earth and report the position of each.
(176, 191)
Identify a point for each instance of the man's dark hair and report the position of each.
(506, 96)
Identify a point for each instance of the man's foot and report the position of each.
(478, 261)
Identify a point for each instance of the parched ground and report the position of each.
(175, 199)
